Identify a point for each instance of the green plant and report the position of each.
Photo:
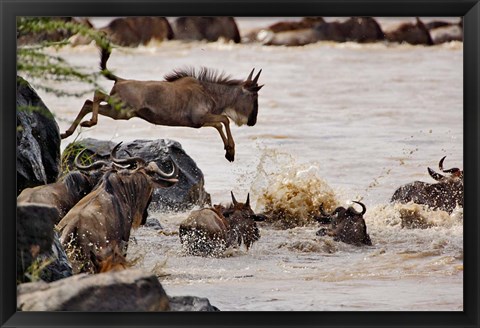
(38, 65)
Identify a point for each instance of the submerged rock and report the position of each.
(38, 140)
(191, 303)
(188, 192)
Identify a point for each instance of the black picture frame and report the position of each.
(470, 9)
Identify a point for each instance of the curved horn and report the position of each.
(93, 166)
(255, 80)
(247, 203)
(455, 170)
(364, 208)
(440, 164)
(154, 167)
(435, 175)
(129, 161)
(234, 201)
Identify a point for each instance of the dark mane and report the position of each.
(77, 181)
(204, 74)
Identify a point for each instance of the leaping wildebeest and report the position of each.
(210, 231)
(345, 224)
(444, 195)
(185, 98)
(98, 226)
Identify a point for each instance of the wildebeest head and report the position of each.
(159, 178)
(242, 221)
(444, 195)
(345, 224)
(248, 101)
(454, 173)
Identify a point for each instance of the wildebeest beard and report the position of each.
(252, 119)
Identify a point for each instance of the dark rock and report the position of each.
(191, 303)
(38, 140)
(59, 266)
(188, 192)
(34, 236)
(128, 290)
(153, 223)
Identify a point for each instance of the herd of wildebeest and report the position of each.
(135, 31)
(100, 203)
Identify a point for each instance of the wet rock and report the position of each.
(191, 303)
(38, 140)
(59, 266)
(188, 192)
(128, 290)
(34, 236)
(153, 223)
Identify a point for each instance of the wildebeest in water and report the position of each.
(210, 231)
(444, 195)
(98, 227)
(345, 224)
(185, 98)
(66, 192)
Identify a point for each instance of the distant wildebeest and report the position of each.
(186, 98)
(345, 224)
(410, 33)
(210, 231)
(442, 31)
(444, 195)
(66, 192)
(206, 28)
(134, 31)
(101, 221)
(356, 29)
(288, 33)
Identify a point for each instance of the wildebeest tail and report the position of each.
(105, 54)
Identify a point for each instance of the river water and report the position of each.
(339, 121)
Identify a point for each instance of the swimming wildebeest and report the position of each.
(101, 221)
(356, 29)
(66, 192)
(206, 28)
(444, 195)
(345, 224)
(185, 98)
(133, 31)
(410, 33)
(210, 231)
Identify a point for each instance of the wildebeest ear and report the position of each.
(234, 201)
(247, 202)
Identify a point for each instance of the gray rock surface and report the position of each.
(38, 140)
(128, 290)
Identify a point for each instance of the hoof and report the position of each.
(230, 157)
(86, 124)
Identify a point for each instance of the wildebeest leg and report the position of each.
(218, 126)
(87, 108)
(98, 97)
(215, 120)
